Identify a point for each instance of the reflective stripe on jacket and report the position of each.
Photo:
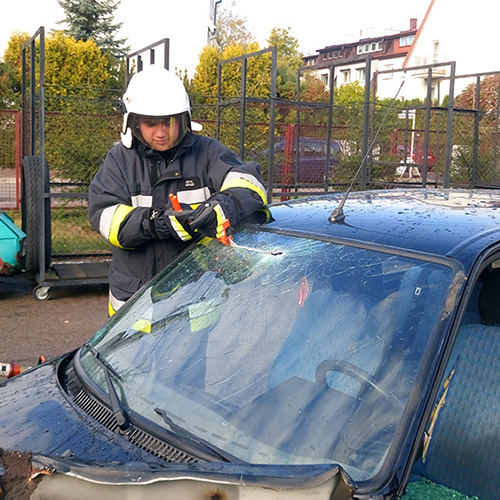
(133, 182)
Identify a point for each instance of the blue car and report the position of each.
(317, 356)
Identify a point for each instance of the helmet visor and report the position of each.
(159, 132)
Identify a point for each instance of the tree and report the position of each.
(93, 20)
(488, 95)
(289, 60)
(312, 89)
(7, 82)
(287, 47)
(205, 78)
(478, 148)
(231, 29)
(82, 116)
(13, 60)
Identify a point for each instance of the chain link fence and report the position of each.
(10, 159)
(80, 126)
(309, 148)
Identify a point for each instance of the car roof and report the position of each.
(456, 223)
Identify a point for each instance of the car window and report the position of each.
(300, 352)
(460, 446)
(314, 148)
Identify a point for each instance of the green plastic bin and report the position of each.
(11, 245)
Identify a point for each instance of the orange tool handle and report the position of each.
(175, 202)
(226, 238)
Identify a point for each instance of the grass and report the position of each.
(71, 232)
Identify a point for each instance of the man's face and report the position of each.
(160, 133)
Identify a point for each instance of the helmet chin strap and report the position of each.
(127, 138)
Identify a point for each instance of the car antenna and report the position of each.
(337, 215)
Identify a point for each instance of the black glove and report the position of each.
(170, 223)
(209, 219)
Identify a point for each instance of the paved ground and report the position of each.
(29, 327)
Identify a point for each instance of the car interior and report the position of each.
(462, 443)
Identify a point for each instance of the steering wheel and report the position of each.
(353, 371)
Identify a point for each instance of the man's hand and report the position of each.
(171, 223)
(209, 219)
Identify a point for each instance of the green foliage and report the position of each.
(289, 60)
(476, 157)
(82, 117)
(312, 89)
(231, 29)
(205, 78)
(349, 95)
(8, 98)
(488, 95)
(70, 63)
(93, 20)
(288, 47)
(13, 59)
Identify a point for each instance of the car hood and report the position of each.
(55, 448)
(37, 416)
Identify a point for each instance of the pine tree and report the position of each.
(93, 20)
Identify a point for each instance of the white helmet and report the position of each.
(155, 92)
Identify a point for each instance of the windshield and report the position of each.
(304, 354)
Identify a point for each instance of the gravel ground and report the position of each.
(29, 327)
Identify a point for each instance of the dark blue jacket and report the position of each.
(133, 182)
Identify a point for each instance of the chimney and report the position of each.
(413, 23)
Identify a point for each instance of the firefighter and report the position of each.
(159, 156)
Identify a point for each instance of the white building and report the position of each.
(466, 35)
(387, 52)
(448, 33)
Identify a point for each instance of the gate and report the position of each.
(61, 247)
(308, 148)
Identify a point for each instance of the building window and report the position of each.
(369, 47)
(361, 74)
(404, 41)
(324, 79)
(337, 53)
(346, 75)
(435, 51)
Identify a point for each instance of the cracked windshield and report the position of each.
(278, 355)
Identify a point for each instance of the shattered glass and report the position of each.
(305, 354)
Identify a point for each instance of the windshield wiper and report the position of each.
(116, 405)
(200, 442)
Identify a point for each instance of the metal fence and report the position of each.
(10, 159)
(303, 148)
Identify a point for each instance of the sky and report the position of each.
(315, 23)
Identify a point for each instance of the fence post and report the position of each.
(288, 159)
(330, 127)
(477, 107)
(427, 130)
(366, 120)
(18, 131)
(449, 127)
(243, 106)
(497, 113)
